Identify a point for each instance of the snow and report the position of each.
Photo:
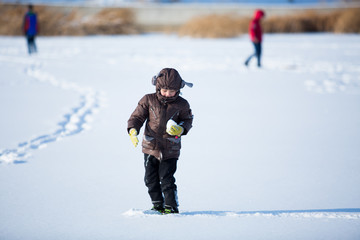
(273, 154)
(323, 213)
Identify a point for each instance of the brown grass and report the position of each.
(110, 21)
(10, 23)
(308, 21)
(83, 21)
(304, 22)
(223, 26)
(73, 22)
(214, 26)
(348, 21)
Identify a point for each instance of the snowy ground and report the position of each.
(274, 152)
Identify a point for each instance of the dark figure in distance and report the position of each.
(31, 29)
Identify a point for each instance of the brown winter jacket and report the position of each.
(156, 110)
(156, 140)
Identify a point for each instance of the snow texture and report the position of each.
(322, 213)
(273, 154)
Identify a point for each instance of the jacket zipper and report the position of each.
(162, 123)
(152, 110)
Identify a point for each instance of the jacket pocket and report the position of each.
(173, 144)
(148, 142)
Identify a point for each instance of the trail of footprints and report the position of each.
(74, 122)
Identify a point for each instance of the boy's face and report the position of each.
(167, 92)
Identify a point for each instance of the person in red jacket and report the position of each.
(30, 29)
(255, 34)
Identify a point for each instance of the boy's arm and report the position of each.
(25, 24)
(186, 118)
(139, 116)
(253, 32)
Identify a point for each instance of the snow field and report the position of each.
(273, 153)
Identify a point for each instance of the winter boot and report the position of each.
(247, 63)
(170, 210)
(158, 207)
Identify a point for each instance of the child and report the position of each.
(168, 117)
(255, 34)
(31, 29)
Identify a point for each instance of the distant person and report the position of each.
(167, 118)
(31, 29)
(255, 33)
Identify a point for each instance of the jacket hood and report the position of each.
(169, 78)
(259, 14)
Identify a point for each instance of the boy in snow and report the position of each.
(168, 117)
(30, 28)
(255, 34)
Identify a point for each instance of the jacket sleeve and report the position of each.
(186, 118)
(139, 116)
(254, 30)
(25, 24)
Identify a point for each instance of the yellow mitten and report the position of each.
(133, 136)
(173, 128)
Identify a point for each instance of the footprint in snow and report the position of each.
(74, 122)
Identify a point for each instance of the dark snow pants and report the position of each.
(31, 44)
(160, 180)
(257, 54)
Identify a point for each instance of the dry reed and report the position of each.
(348, 21)
(74, 22)
(222, 26)
(214, 26)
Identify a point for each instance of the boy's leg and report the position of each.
(152, 179)
(248, 60)
(34, 45)
(167, 179)
(258, 53)
(252, 55)
(28, 39)
(31, 44)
